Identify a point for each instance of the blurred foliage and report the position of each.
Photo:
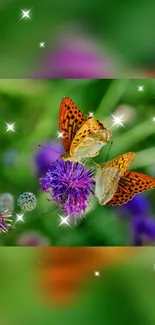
(117, 26)
(126, 288)
(34, 105)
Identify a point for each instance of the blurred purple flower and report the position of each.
(142, 223)
(46, 155)
(139, 205)
(143, 229)
(32, 238)
(70, 185)
(76, 56)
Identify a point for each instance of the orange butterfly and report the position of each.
(116, 186)
(82, 136)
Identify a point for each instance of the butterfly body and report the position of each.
(66, 156)
(83, 136)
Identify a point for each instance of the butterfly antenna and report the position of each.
(108, 151)
(40, 145)
(94, 162)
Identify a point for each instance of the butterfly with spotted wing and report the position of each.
(116, 186)
(82, 136)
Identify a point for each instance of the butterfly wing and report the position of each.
(108, 176)
(130, 184)
(70, 121)
(121, 162)
(106, 183)
(89, 139)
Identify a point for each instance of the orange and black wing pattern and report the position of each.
(70, 121)
(130, 184)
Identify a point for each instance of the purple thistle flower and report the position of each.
(70, 185)
(142, 223)
(46, 155)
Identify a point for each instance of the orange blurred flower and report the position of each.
(64, 270)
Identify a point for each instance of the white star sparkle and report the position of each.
(97, 273)
(117, 120)
(91, 114)
(25, 14)
(140, 88)
(64, 221)
(59, 134)
(19, 217)
(10, 127)
(153, 119)
(42, 44)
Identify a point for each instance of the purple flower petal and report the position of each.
(70, 185)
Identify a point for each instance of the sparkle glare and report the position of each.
(42, 44)
(91, 114)
(140, 88)
(153, 119)
(25, 14)
(19, 217)
(10, 127)
(117, 120)
(60, 134)
(64, 221)
(97, 273)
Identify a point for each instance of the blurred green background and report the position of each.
(122, 294)
(34, 105)
(124, 31)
